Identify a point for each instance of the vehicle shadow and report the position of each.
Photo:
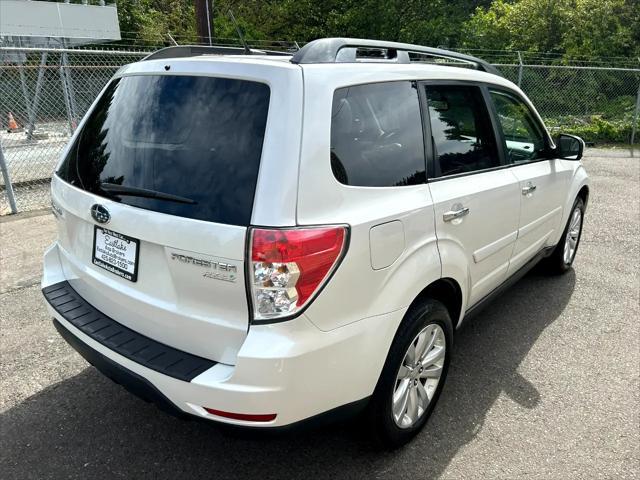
(86, 426)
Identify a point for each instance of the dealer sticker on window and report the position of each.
(116, 253)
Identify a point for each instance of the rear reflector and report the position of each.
(247, 417)
(289, 266)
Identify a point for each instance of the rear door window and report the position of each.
(195, 138)
(461, 130)
(376, 135)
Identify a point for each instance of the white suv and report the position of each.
(259, 239)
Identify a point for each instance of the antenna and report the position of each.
(247, 50)
(173, 40)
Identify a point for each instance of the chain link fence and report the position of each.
(600, 104)
(43, 95)
(45, 92)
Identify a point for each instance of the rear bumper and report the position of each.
(142, 388)
(133, 382)
(115, 336)
(291, 369)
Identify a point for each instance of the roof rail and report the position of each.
(343, 50)
(181, 51)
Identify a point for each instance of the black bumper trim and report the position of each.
(131, 381)
(122, 340)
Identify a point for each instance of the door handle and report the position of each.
(529, 188)
(453, 214)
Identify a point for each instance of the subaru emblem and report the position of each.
(100, 214)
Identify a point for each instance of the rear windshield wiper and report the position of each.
(115, 189)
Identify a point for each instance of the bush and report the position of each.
(594, 128)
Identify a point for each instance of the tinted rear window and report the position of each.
(194, 137)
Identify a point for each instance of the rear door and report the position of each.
(157, 192)
(476, 199)
(543, 181)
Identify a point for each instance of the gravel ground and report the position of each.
(544, 383)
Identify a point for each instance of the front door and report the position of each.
(542, 180)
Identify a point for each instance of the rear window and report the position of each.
(197, 138)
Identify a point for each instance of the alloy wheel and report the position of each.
(419, 375)
(573, 235)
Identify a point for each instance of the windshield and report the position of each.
(194, 137)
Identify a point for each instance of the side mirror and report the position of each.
(569, 147)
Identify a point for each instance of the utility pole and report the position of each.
(204, 23)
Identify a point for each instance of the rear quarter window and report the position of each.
(194, 137)
(376, 135)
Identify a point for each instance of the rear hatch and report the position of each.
(155, 194)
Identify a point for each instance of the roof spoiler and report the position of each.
(343, 50)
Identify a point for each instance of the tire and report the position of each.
(430, 318)
(560, 261)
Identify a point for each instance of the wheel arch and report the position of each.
(447, 291)
(583, 193)
(579, 187)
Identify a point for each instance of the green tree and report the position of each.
(431, 22)
(601, 28)
(530, 25)
(573, 28)
(151, 20)
(576, 28)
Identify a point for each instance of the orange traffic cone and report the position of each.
(13, 125)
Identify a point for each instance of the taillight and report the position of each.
(288, 267)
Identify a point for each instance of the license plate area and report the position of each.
(116, 253)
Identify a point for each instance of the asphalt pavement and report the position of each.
(544, 383)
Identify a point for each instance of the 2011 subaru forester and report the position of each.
(261, 239)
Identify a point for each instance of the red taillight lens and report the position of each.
(288, 266)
